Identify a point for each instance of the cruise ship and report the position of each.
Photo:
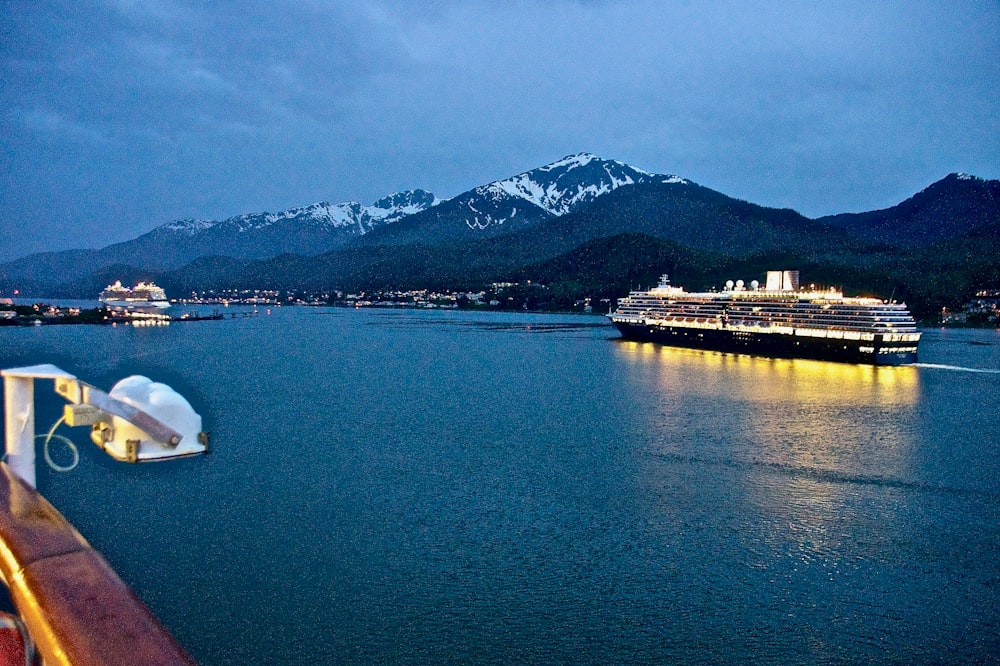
(144, 295)
(776, 319)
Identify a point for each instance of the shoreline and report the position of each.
(43, 314)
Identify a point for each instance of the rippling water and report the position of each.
(447, 487)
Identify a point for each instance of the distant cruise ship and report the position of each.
(143, 295)
(776, 320)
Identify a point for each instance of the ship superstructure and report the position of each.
(776, 319)
(143, 295)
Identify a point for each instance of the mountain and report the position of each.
(312, 229)
(518, 202)
(613, 265)
(344, 219)
(687, 214)
(702, 221)
(573, 225)
(949, 208)
(414, 216)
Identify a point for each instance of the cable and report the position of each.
(69, 443)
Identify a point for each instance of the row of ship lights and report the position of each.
(740, 285)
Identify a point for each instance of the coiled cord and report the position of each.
(72, 447)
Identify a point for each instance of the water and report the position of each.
(448, 487)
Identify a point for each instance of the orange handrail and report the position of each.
(75, 607)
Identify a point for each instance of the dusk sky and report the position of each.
(120, 116)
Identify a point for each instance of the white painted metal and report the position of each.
(19, 414)
(19, 399)
(130, 423)
(158, 404)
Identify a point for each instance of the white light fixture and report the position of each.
(138, 421)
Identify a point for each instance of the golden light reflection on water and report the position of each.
(801, 431)
(777, 381)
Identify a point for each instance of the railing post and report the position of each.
(19, 414)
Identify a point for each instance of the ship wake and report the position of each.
(939, 366)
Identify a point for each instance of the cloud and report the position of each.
(55, 127)
(214, 109)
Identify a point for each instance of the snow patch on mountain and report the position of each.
(188, 226)
(321, 214)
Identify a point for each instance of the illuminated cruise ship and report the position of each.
(778, 319)
(145, 295)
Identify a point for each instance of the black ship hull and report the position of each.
(780, 345)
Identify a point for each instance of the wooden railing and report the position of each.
(76, 608)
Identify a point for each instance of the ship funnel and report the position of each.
(782, 281)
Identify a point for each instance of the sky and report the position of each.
(117, 116)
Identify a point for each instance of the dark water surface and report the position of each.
(448, 487)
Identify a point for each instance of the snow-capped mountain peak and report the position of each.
(552, 190)
(570, 162)
(565, 184)
(322, 214)
(402, 204)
